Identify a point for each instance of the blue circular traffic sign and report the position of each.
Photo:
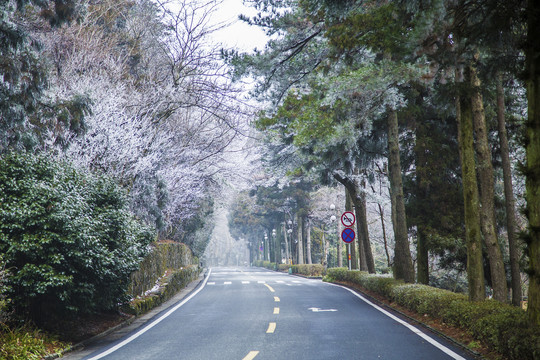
(348, 235)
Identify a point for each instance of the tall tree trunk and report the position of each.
(339, 245)
(363, 233)
(359, 201)
(422, 257)
(509, 196)
(286, 242)
(473, 235)
(300, 246)
(381, 213)
(403, 266)
(308, 240)
(324, 257)
(277, 246)
(487, 196)
(420, 150)
(532, 170)
(352, 248)
(270, 246)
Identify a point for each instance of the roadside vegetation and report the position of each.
(501, 328)
(123, 124)
(420, 118)
(116, 118)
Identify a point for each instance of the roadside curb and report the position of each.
(142, 319)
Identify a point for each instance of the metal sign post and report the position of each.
(349, 255)
(348, 235)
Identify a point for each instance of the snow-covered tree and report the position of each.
(164, 116)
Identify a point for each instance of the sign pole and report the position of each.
(349, 254)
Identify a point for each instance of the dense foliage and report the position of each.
(4, 301)
(68, 237)
(365, 88)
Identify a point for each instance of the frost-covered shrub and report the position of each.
(68, 237)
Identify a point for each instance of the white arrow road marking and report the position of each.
(407, 325)
(314, 309)
(251, 355)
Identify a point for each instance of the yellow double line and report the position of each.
(271, 326)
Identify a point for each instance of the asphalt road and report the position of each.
(252, 313)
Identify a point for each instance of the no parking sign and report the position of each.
(348, 235)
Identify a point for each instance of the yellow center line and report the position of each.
(276, 310)
(269, 288)
(271, 328)
(276, 299)
(251, 355)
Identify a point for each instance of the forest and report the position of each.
(123, 123)
(420, 111)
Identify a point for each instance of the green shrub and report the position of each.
(4, 300)
(283, 267)
(27, 343)
(308, 269)
(336, 274)
(264, 264)
(503, 328)
(163, 256)
(68, 237)
(169, 286)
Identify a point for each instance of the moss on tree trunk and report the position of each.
(403, 267)
(487, 206)
(473, 235)
(532, 171)
(509, 196)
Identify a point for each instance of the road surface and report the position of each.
(253, 313)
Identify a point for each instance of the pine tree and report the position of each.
(26, 115)
(532, 167)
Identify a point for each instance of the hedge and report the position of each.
(165, 255)
(501, 327)
(264, 264)
(169, 286)
(313, 270)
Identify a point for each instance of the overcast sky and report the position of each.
(239, 34)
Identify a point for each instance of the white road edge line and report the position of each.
(407, 325)
(152, 324)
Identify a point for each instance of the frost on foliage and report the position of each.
(163, 114)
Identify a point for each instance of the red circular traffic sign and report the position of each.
(348, 235)
(348, 219)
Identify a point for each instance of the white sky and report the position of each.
(238, 35)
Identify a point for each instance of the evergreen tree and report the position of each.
(532, 167)
(26, 114)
